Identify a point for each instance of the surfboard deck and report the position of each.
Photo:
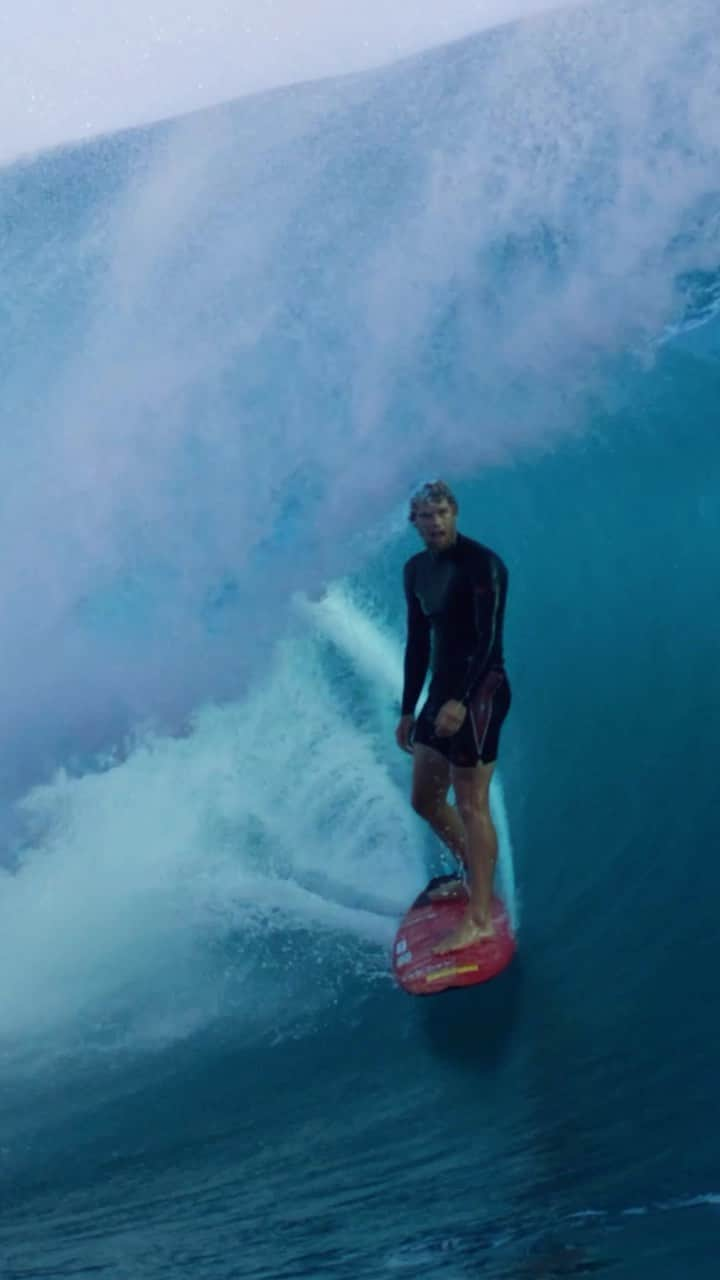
(421, 972)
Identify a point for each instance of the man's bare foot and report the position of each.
(467, 932)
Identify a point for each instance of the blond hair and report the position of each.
(431, 491)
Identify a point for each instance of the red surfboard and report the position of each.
(422, 972)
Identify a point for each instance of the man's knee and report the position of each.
(472, 792)
(473, 808)
(427, 804)
(422, 804)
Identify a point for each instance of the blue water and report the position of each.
(230, 347)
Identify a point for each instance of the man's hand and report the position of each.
(450, 718)
(403, 733)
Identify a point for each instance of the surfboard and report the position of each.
(422, 972)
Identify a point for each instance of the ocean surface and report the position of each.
(230, 346)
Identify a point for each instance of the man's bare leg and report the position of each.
(431, 783)
(472, 788)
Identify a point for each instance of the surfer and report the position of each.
(455, 590)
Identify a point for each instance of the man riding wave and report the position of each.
(456, 591)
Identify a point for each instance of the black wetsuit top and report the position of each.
(455, 613)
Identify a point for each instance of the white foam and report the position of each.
(271, 815)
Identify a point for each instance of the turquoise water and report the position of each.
(230, 346)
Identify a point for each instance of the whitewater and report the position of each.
(233, 341)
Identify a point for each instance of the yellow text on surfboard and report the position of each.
(438, 974)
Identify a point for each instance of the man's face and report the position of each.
(436, 523)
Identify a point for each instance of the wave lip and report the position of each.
(137, 67)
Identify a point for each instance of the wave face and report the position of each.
(230, 346)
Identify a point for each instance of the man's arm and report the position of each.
(417, 647)
(489, 607)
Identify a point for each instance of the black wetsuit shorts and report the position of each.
(478, 738)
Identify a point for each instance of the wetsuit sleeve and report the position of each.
(417, 648)
(489, 609)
